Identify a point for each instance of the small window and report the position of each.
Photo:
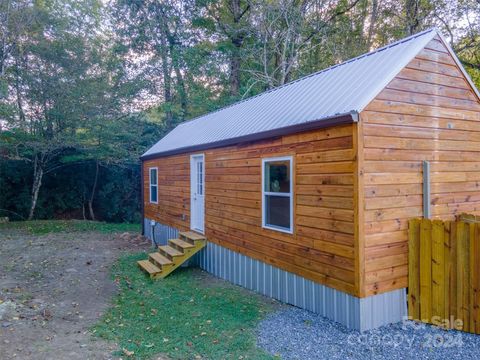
(154, 185)
(277, 202)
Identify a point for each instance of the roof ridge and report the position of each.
(388, 46)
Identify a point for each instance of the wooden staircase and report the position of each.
(171, 256)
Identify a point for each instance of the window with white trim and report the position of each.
(277, 194)
(154, 185)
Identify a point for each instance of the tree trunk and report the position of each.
(4, 40)
(373, 21)
(167, 82)
(21, 112)
(412, 21)
(237, 38)
(37, 183)
(181, 89)
(235, 74)
(92, 194)
(175, 56)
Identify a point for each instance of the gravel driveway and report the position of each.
(293, 333)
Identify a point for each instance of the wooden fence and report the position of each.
(444, 272)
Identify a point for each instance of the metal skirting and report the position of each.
(355, 313)
(382, 309)
(281, 285)
(162, 232)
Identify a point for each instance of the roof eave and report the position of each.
(335, 120)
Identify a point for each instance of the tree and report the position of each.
(231, 18)
(55, 83)
(157, 31)
(87, 86)
(289, 31)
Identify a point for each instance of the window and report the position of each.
(154, 185)
(277, 201)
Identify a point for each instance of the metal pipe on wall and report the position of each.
(426, 190)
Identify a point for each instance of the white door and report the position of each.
(197, 193)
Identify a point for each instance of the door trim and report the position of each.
(192, 179)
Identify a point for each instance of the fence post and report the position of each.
(426, 270)
(476, 279)
(462, 274)
(438, 269)
(413, 269)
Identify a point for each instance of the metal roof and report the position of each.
(313, 100)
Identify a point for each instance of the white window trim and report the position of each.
(150, 184)
(289, 194)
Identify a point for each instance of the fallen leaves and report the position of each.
(128, 353)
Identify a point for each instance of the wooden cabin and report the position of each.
(304, 192)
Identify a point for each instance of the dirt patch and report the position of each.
(53, 288)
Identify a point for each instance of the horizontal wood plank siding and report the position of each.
(428, 112)
(322, 245)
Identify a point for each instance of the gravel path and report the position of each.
(293, 333)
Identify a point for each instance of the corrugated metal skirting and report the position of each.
(162, 232)
(355, 313)
(279, 284)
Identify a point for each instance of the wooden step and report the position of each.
(180, 244)
(191, 236)
(169, 251)
(170, 257)
(150, 268)
(159, 260)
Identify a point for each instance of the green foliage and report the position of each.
(65, 192)
(67, 186)
(470, 56)
(185, 315)
(87, 85)
(15, 193)
(42, 227)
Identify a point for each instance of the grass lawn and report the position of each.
(188, 315)
(41, 227)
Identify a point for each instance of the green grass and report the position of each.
(41, 227)
(188, 315)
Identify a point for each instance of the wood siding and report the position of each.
(355, 186)
(428, 112)
(322, 245)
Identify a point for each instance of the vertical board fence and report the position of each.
(444, 271)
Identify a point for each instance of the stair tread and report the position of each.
(149, 267)
(160, 259)
(192, 235)
(170, 250)
(181, 243)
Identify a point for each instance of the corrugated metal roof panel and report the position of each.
(341, 89)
